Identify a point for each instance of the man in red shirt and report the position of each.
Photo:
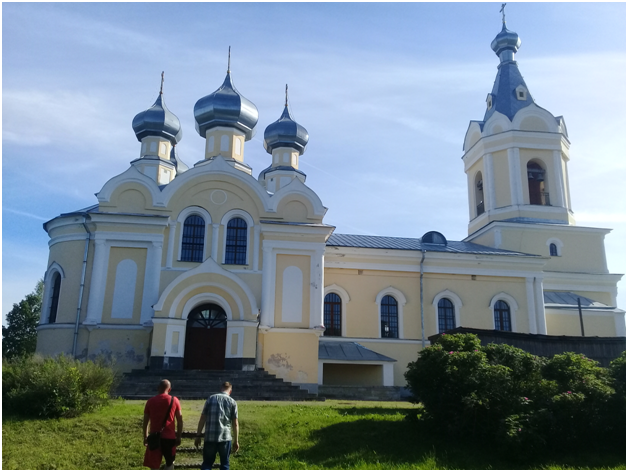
(155, 412)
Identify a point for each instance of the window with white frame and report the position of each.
(389, 319)
(237, 236)
(193, 239)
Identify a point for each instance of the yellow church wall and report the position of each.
(158, 339)
(129, 197)
(568, 324)
(129, 348)
(404, 353)
(297, 208)
(501, 179)
(303, 264)
(52, 342)
(117, 255)
(352, 374)
(214, 290)
(291, 355)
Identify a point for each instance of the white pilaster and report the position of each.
(540, 306)
(514, 166)
(215, 235)
(172, 231)
(489, 182)
(388, 374)
(256, 240)
(531, 305)
(151, 281)
(97, 283)
(317, 295)
(268, 288)
(560, 185)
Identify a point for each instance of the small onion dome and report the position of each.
(157, 121)
(179, 165)
(226, 107)
(506, 40)
(285, 132)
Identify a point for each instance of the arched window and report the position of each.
(54, 298)
(235, 250)
(553, 250)
(193, 241)
(501, 311)
(389, 319)
(446, 315)
(332, 311)
(479, 194)
(536, 185)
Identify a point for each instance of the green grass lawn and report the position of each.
(274, 435)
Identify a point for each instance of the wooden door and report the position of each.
(206, 338)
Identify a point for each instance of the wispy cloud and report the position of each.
(24, 213)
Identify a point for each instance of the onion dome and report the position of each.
(506, 44)
(157, 121)
(179, 165)
(285, 132)
(226, 107)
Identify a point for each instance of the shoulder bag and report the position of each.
(154, 439)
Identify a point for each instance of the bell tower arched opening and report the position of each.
(536, 184)
(479, 194)
(206, 338)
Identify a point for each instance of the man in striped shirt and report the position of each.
(220, 413)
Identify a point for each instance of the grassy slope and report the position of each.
(278, 435)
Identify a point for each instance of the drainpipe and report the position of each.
(422, 319)
(259, 320)
(80, 300)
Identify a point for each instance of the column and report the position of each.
(97, 283)
(215, 235)
(172, 231)
(257, 231)
(531, 305)
(268, 288)
(560, 184)
(316, 288)
(540, 306)
(514, 166)
(151, 281)
(489, 182)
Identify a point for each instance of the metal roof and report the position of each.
(285, 132)
(349, 351)
(571, 299)
(415, 244)
(157, 121)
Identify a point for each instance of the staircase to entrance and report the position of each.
(199, 384)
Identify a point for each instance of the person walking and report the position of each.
(219, 415)
(161, 411)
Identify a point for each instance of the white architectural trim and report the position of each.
(512, 303)
(231, 330)
(620, 324)
(531, 305)
(344, 299)
(455, 300)
(299, 188)
(170, 330)
(489, 182)
(250, 225)
(203, 298)
(189, 211)
(559, 245)
(172, 229)
(53, 268)
(514, 165)
(401, 301)
(131, 175)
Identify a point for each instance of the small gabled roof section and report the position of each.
(570, 300)
(348, 351)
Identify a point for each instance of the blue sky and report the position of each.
(385, 90)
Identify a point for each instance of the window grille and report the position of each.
(389, 317)
(193, 241)
(235, 251)
(332, 311)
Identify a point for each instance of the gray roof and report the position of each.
(415, 244)
(349, 351)
(570, 299)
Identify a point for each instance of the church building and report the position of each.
(208, 267)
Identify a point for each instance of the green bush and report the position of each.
(54, 387)
(501, 393)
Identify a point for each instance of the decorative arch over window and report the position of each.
(237, 225)
(555, 247)
(340, 292)
(193, 221)
(52, 290)
(504, 309)
(447, 308)
(478, 185)
(536, 184)
(390, 303)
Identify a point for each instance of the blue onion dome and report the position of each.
(157, 121)
(506, 44)
(179, 165)
(226, 107)
(285, 132)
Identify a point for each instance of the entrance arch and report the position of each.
(206, 338)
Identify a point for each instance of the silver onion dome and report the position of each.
(285, 132)
(226, 107)
(157, 121)
(506, 44)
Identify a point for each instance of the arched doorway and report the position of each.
(206, 338)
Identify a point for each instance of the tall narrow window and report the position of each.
(553, 250)
(54, 299)
(446, 315)
(479, 194)
(389, 318)
(332, 311)
(193, 239)
(502, 316)
(536, 185)
(235, 250)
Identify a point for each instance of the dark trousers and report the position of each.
(209, 454)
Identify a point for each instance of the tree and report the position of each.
(19, 337)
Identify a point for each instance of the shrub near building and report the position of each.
(501, 393)
(54, 387)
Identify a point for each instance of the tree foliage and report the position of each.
(19, 337)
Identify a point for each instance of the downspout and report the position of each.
(80, 299)
(259, 320)
(422, 318)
